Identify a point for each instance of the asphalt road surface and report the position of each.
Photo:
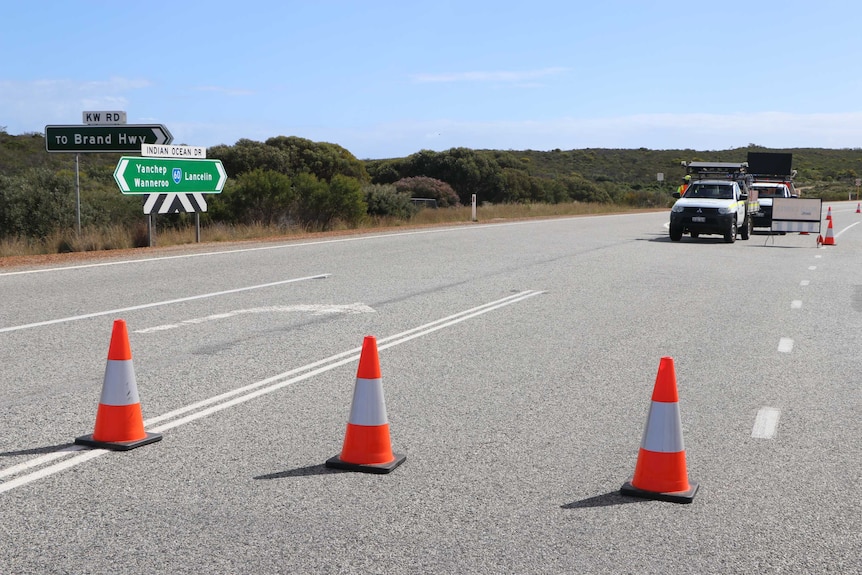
(518, 361)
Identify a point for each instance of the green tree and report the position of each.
(259, 196)
(321, 204)
(467, 171)
(322, 159)
(425, 187)
(385, 200)
(247, 155)
(36, 203)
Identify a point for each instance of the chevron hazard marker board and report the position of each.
(175, 203)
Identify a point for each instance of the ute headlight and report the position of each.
(726, 210)
(677, 208)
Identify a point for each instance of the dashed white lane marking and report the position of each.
(785, 345)
(765, 423)
(796, 304)
(812, 268)
(804, 282)
(313, 309)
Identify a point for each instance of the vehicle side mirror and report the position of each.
(675, 194)
(743, 196)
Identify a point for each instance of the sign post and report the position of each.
(171, 181)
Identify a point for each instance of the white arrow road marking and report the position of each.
(313, 309)
(156, 304)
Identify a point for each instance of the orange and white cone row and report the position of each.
(119, 420)
(660, 472)
(829, 240)
(367, 445)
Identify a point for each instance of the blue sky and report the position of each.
(387, 79)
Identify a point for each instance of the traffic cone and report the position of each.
(366, 443)
(119, 421)
(660, 472)
(859, 208)
(829, 213)
(829, 240)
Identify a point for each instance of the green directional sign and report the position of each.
(139, 175)
(120, 138)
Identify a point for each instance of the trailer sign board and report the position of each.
(796, 215)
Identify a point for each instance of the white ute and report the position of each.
(718, 202)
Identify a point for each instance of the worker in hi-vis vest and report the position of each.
(683, 186)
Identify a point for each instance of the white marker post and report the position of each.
(474, 207)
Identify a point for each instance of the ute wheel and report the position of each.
(675, 233)
(730, 234)
(745, 232)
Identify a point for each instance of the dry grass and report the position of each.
(117, 238)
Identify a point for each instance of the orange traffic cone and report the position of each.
(829, 240)
(859, 208)
(119, 421)
(366, 442)
(829, 213)
(660, 472)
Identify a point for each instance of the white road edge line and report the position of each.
(765, 423)
(156, 304)
(252, 391)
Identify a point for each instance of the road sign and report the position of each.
(119, 138)
(136, 175)
(165, 151)
(102, 118)
(175, 203)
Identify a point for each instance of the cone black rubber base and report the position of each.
(672, 496)
(337, 463)
(117, 445)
